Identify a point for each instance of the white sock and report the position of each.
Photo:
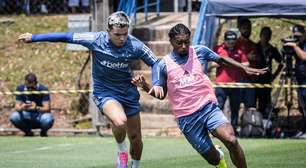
(135, 163)
(122, 146)
(221, 154)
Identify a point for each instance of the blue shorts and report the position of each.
(129, 102)
(195, 127)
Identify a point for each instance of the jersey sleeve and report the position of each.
(161, 71)
(53, 37)
(85, 39)
(205, 54)
(142, 51)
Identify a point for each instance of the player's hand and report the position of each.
(254, 71)
(291, 44)
(158, 91)
(26, 37)
(139, 81)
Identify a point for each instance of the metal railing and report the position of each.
(130, 7)
(199, 29)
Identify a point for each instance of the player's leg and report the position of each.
(194, 129)
(219, 126)
(215, 156)
(226, 134)
(114, 111)
(134, 134)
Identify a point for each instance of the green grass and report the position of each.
(96, 152)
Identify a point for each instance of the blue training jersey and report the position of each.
(204, 55)
(111, 66)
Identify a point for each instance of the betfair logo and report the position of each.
(114, 65)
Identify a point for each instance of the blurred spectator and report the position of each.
(182, 5)
(3, 4)
(32, 110)
(43, 7)
(249, 48)
(75, 4)
(266, 53)
(299, 47)
(23, 6)
(229, 75)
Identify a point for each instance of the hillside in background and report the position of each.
(54, 66)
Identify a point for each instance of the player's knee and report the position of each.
(120, 122)
(231, 140)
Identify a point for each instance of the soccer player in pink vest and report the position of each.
(192, 98)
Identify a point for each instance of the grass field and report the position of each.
(96, 152)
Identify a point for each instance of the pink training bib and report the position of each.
(189, 88)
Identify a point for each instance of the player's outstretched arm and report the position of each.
(226, 61)
(49, 37)
(155, 91)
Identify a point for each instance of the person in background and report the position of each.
(249, 48)
(75, 4)
(32, 110)
(266, 53)
(299, 47)
(230, 75)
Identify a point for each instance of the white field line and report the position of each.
(44, 148)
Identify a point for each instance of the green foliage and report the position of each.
(280, 28)
(54, 66)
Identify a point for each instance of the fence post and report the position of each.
(101, 9)
(189, 13)
(146, 10)
(157, 7)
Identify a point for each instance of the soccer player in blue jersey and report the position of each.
(113, 93)
(192, 99)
